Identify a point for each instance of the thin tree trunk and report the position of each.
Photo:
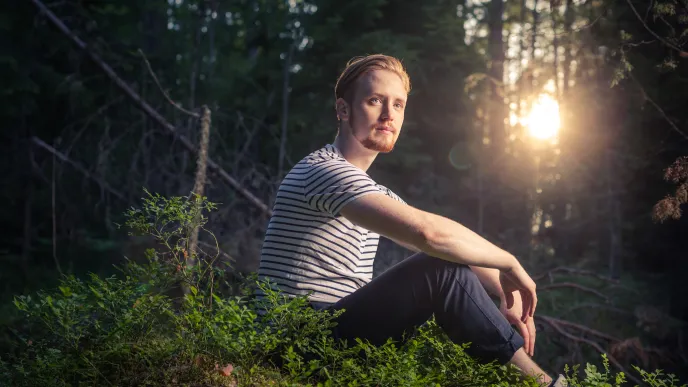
(522, 91)
(555, 46)
(193, 78)
(497, 112)
(285, 109)
(28, 199)
(54, 217)
(199, 183)
(614, 222)
(535, 31)
(568, 41)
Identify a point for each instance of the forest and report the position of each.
(145, 141)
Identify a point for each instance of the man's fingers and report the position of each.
(509, 300)
(526, 302)
(532, 333)
(523, 330)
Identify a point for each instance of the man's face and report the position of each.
(377, 111)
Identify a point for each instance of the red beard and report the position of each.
(383, 144)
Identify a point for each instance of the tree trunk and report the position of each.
(534, 36)
(285, 109)
(568, 41)
(28, 198)
(497, 112)
(199, 183)
(555, 47)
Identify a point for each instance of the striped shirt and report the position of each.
(309, 248)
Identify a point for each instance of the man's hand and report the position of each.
(513, 315)
(517, 280)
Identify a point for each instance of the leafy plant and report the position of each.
(128, 330)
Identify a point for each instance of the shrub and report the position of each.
(130, 330)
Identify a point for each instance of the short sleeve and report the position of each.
(332, 184)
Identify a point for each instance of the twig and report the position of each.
(220, 252)
(575, 286)
(569, 270)
(555, 324)
(668, 44)
(157, 82)
(78, 167)
(659, 109)
(149, 110)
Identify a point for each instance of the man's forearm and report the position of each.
(450, 240)
(489, 278)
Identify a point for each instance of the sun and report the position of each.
(543, 121)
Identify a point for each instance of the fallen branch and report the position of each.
(588, 305)
(581, 328)
(554, 323)
(575, 286)
(148, 109)
(78, 167)
(569, 270)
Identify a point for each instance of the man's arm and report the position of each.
(443, 238)
(489, 278)
(432, 234)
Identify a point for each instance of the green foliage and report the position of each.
(128, 330)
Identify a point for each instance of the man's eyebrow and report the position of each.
(384, 96)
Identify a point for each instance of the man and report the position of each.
(322, 239)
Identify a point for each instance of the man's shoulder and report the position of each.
(324, 154)
(390, 193)
(327, 160)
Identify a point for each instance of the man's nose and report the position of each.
(387, 113)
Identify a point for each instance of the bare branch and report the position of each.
(569, 270)
(581, 328)
(136, 98)
(575, 286)
(554, 323)
(167, 97)
(78, 167)
(668, 44)
(656, 106)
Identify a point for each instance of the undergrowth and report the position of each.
(137, 328)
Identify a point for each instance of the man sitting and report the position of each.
(328, 217)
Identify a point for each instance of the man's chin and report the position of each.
(378, 146)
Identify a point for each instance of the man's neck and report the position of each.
(354, 152)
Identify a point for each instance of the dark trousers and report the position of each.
(409, 293)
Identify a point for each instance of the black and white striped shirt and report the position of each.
(309, 247)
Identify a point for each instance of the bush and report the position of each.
(131, 330)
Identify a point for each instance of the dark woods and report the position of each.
(104, 100)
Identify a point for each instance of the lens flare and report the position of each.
(543, 121)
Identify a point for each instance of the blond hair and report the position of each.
(358, 66)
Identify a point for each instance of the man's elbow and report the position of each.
(429, 237)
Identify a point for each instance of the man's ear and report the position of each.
(343, 109)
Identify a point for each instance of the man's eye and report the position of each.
(399, 106)
(375, 99)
